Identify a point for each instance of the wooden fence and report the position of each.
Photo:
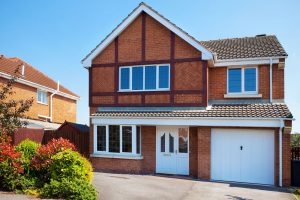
(295, 151)
(79, 139)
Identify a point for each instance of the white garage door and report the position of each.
(242, 155)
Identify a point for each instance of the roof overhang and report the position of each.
(206, 54)
(247, 61)
(211, 121)
(38, 86)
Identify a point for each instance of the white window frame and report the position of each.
(243, 80)
(121, 153)
(144, 81)
(37, 96)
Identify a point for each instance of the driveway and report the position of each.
(120, 186)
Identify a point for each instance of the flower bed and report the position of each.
(54, 170)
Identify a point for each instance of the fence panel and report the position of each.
(28, 133)
(79, 139)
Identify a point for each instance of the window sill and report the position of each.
(42, 103)
(132, 157)
(242, 96)
(162, 90)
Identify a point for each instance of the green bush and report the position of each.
(28, 148)
(70, 165)
(74, 189)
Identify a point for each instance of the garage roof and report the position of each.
(266, 110)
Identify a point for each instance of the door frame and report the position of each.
(170, 127)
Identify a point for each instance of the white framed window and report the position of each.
(144, 78)
(117, 139)
(42, 97)
(242, 80)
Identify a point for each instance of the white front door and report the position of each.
(172, 150)
(242, 155)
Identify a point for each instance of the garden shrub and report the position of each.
(70, 165)
(69, 189)
(10, 166)
(42, 160)
(28, 148)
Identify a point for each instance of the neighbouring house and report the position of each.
(163, 102)
(53, 103)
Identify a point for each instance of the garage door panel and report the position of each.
(243, 155)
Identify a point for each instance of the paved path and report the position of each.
(119, 186)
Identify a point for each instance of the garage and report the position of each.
(242, 155)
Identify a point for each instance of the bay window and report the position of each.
(117, 139)
(144, 78)
(242, 80)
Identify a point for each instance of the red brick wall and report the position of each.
(188, 76)
(155, 42)
(286, 159)
(107, 55)
(218, 75)
(184, 50)
(204, 141)
(193, 147)
(130, 42)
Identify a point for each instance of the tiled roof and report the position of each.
(247, 47)
(9, 65)
(267, 110)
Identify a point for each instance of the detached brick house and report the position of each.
(53, 103)
(163, 102)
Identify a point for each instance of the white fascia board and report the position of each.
(206, 54)
(247, 61)
(219, 122)
(40, 87)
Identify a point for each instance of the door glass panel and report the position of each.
(171, 143)
(138, 139)
(183, 140)
(162, 143)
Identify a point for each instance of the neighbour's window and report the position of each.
(144, 78)
(118, 139)
(242, 80)
(42, 97)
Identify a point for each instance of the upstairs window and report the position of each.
(144, 78)
(42, 97)
(242, 80)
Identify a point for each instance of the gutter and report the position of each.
(51, 101)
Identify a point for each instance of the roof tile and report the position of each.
(267, 110)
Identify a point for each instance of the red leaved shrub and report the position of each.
(42, 159)
(9, 154)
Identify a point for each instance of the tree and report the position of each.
(295, 140)
(12, 110)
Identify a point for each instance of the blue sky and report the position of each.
(55, 35)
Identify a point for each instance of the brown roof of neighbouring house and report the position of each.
(9, 66)
(247, 47)
(266, 110)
